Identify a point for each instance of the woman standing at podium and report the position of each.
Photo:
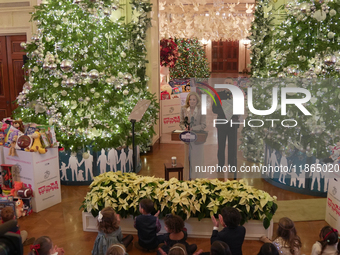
(192, 120)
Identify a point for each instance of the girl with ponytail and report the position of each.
(328, 242)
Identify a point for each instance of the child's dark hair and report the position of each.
(220, 248)
(231, 217)
(41, 246)
(107, 223)
(116, 249)
(268, 249)
(328, 236)
(7, 213)
(147, 205)
(287, 232)
(174, 223)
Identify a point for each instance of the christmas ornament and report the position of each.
(66, 65)
(52, 66)
(71, 82)
(329, 60)
(107, 11)
(45, 66)
(93, 74)
(86, 155)
(304, 7)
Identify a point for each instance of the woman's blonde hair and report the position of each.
(116, 249)
(188, 98)
(178, 249)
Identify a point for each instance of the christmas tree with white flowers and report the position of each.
(87, 72)
(304, 52)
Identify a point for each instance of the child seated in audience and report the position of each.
(178, 249)
(174, 226)
(287, 241)
(268, 249)
(109, 232)
(147, 226)
(116, 249)
(7, 214)
(232, 234)
(44, 246)
(328, 242)
(218, 248)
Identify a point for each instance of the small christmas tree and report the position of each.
(192, 62)
(87, 73)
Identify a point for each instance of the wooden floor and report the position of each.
(63, 222)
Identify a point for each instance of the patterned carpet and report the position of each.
(301, 210)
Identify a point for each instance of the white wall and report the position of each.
(15, 16)
(152, 68)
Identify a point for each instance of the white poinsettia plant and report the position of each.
(199, 198)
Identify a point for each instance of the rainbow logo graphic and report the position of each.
(209, 93)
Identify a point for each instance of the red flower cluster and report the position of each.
(168, 52)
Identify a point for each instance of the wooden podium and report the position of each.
(201, 136)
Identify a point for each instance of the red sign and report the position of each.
(48, 188)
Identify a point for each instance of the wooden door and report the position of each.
(225, 56)
(217, 56)
(11, 72)
(15, 63)
(231, 56)
(5, 106)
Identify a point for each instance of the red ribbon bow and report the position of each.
(35, 248)
(330, 232)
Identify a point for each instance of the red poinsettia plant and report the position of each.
(169, 52)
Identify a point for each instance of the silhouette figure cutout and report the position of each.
(63, 169)
(130, 159)
(122, 160)
(283, 162)
(73, 164)
(88, 166)
(112, 159)
(80, 175)
(293, 177)
(315, 175)
(302, 179)
(102, 161)
(273, 162)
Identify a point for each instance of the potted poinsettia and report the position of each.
(198, 198)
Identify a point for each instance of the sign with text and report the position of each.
(40, 172)
(333, 203)
(171, 110)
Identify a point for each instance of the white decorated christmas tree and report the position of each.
(87, 71)
(303, 51)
